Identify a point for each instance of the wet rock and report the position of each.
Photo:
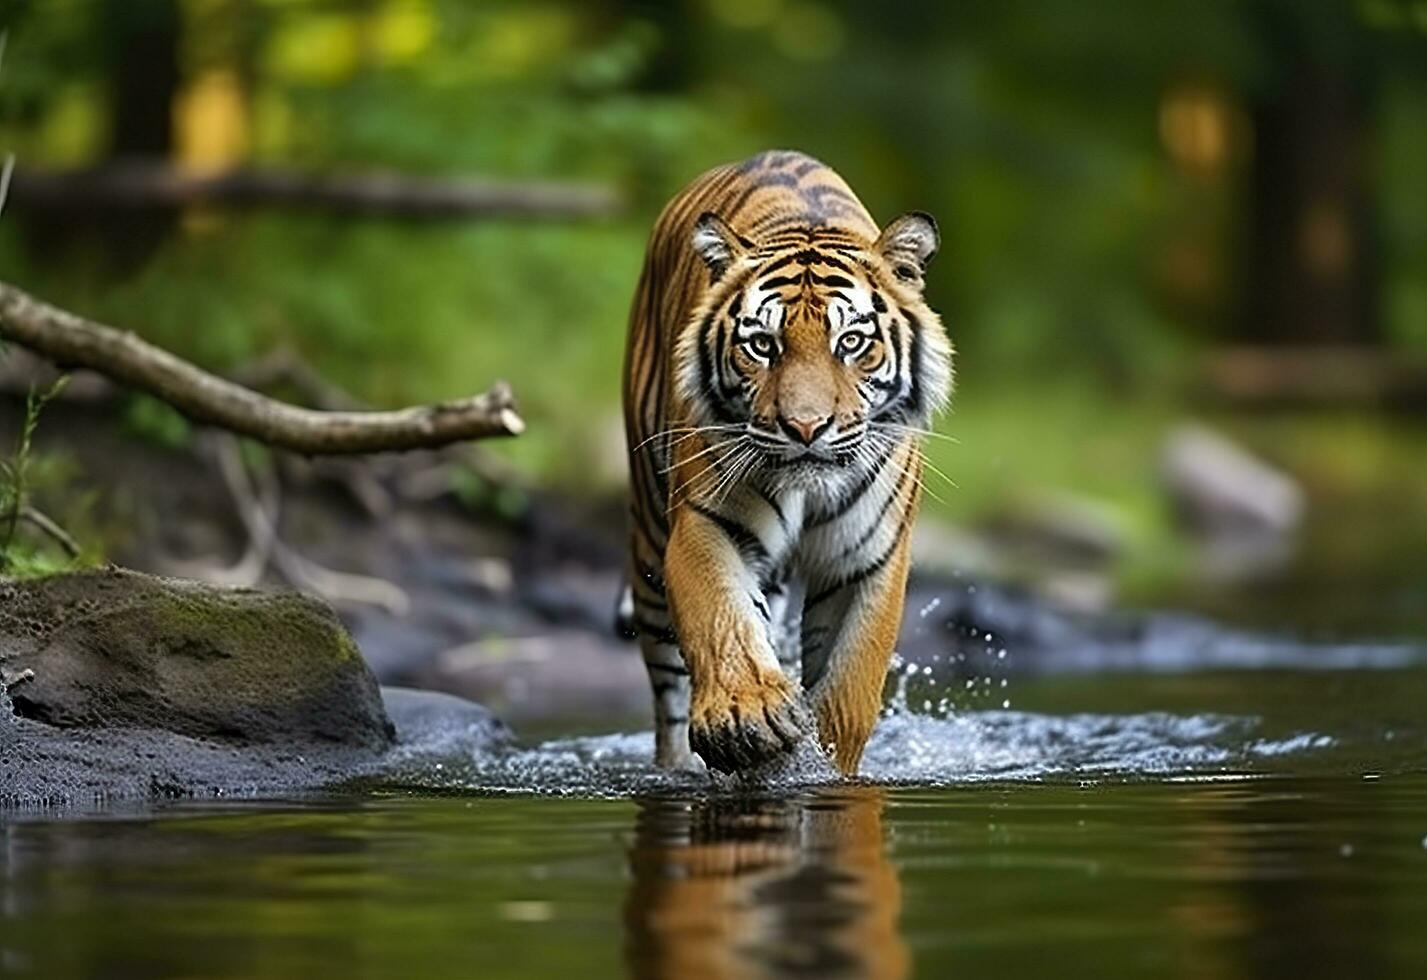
(44, 766)
(47, 767)
(425, 719)
(121, 685)
(439, 737)
(114, 648)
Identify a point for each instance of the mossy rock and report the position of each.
(111, 649)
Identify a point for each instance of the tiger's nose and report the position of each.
(805, 431)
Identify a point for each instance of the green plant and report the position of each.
(158, 423)
(480, 496)
(14, 471)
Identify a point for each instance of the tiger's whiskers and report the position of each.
(687, 487)
(685, 431)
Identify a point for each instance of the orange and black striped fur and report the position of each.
(781, 369)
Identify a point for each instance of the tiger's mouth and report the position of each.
(811, 460)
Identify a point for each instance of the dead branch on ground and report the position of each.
(257, 499)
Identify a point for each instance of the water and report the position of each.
(1269, 823)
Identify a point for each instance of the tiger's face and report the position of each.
(820, 351)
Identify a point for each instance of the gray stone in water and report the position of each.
(430, 722)
(122, 685)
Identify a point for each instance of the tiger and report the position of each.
(781, 370)
(729, 885)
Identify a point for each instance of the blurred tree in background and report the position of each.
(1122, 188)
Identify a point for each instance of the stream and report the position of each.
(1266, 822)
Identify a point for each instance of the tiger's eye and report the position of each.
(851, 343)
(761, 345)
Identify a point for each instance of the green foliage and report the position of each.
(152, 420)
(504, 502)
(1082, 268)
(22, 560)
(15, 478)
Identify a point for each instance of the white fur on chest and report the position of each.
(816, 550)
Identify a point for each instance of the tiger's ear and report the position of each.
(908, 244)
(716, 243)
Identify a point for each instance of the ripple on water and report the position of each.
(907, 749)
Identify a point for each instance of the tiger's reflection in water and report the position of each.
(760, 887)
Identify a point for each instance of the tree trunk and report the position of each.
(137, 41)
(1310, 249)
(141, 58)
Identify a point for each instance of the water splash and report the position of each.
(916, 749)
(907, 749)
(948, 721)
(957, 680)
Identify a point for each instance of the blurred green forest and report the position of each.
(1123, 189)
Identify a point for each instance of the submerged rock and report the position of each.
(118, 684)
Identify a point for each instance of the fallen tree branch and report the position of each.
(257, 499)
(147, 184)
(260, 520)
(74, 342)
(285, 366)
(42, 522)
(250, 505)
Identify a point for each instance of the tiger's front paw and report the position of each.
(742, 730)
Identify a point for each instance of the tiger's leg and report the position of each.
(669, 680)
(744, 710)
(783, 626)
(649, 618)
(848, 635)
